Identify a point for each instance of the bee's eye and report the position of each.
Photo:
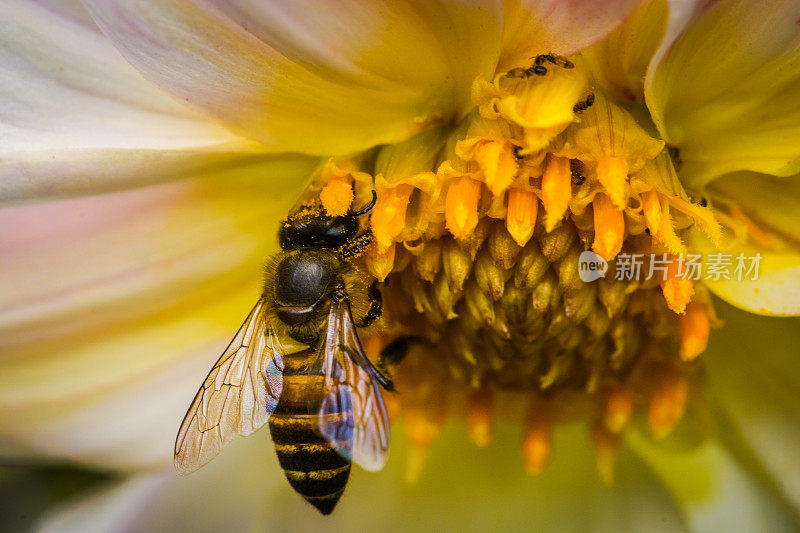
(301, 279)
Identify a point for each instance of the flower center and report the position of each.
(481, 239)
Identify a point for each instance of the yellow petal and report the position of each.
(771, 207)
(117, 312)
(619, 62)
(730, 104)
(330, 80)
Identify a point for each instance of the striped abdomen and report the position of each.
(312, 466)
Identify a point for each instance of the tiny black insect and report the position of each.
(583, 105)
(538, 67)
(516, 150)
(559, 61)
(675, 155)
(576, 169)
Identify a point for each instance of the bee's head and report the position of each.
(312, 226)
(304, 280)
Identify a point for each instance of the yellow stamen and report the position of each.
(537, 440)
(379, 263)
(388, 215)
(521, 216)
(618, 409)
(613, 175)
(694, 327)
(337, 195)
(652, 210)
(497, 161)
(461, 206)
(668, 402)
(678, 291)
(609, 228)
(666, 233)
(556, 190)
(479, 417)
(605, 444)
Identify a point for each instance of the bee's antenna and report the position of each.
(368, 207)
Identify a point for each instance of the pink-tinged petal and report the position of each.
(76, 118)
(562, 27)
(114, 307)
(334, 77)
(726, 92)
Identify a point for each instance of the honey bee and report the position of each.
(323, 403)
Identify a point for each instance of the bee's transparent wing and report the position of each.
(353, 416)
(237, 397)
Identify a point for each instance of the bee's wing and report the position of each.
(238, 396)
(353, 416)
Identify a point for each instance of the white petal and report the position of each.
(337, 78)
(114, 307)
(75, 117)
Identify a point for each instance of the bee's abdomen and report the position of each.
(312, 466)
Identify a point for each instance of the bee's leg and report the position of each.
(356, 246)
(394, 352)
(367, 365)
(375, 306)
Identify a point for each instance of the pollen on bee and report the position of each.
(694, 327)
(337, 195)
(556, 190)
(609, 228)
(461, 206)
(523, 206)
